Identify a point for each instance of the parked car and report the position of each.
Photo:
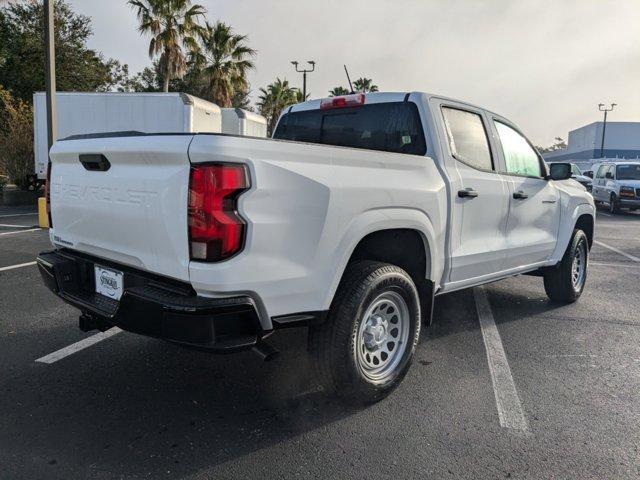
(349, 221)
(618, 185)
(579, 177)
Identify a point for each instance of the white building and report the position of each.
(622, 140)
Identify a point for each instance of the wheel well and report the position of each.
(406, 249)
(402, 247)
(585, 223)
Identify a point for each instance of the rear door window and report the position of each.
(390, 127)
(467, 138)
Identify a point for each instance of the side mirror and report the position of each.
(559, 171)
(608, 175)
(589, 174)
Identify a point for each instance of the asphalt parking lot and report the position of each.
(132, 407)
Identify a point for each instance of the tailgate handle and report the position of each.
(95, 162)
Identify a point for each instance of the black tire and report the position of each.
(334, 343)
(559, 281)
(614, 207)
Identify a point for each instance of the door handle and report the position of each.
(468, 193)
(520, 195)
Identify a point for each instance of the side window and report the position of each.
(519, 155)
(601, 170)
(612, 171)
(467, 138)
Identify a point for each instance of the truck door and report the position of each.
(534, 203)
(479, 196)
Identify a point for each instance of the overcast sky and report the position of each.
(543, 64)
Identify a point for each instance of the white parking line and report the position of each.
(17, 215)
(612, 265)
(15, 226)
(76, 347)
(614, 249)
(507, 401)
(20, 265)
(20, 231)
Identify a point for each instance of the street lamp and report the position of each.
(50, 72)
(304, 72)
(606, 110)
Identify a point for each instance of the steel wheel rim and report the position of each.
(382, 336)
(579, 266)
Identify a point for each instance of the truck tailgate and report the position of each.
(133, 212)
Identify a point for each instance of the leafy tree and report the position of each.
(242, 99)
(225, 60)
(364, 85)
(16, 139)
(174, 27)
(22, 53)
(274, 99)
(559, 144)
(337, 91)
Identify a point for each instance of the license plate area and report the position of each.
(109, 282)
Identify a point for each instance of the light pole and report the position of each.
(606, 110)
(304, 72)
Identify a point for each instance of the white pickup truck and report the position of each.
(349, 221)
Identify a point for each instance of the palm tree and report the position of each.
(174, 26)
(225, 60)
(299, 97)
(337, 91)
(274, 99)
(364, 85)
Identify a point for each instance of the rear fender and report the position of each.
(388, 219)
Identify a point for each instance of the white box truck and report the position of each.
(236, 121)
(88, 113)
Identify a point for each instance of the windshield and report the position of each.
(628, 172)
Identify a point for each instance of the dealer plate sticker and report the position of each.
(108, 282)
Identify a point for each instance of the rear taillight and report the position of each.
(47, 193)
(354, 100)
(216, 230)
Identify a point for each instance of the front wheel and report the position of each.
(565, 282)
(614, 207)
(365, 347)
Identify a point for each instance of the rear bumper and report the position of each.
(153, 306)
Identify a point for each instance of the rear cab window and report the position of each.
(389, 127)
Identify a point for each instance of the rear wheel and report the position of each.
(565, 282)
(365, 347)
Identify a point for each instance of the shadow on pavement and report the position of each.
(144, 407)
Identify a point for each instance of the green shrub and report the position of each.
(16, 139)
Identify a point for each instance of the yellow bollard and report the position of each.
(43, 218)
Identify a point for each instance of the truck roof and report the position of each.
(382, 97)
